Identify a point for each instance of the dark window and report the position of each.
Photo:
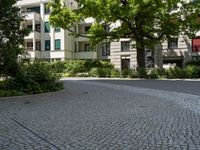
(46, 9)
(87, 28)
(87, 47)
(29, 45)
(47, 45)
(47, 27)
(196, 44)
(105, 49)
(38, 46)
(57, 29)
(172, 43)
(37, 27)
(34, 9)
(125, 46)
(30, 27)
(57, 44)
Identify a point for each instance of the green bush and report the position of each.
(174, 73)
(142, 73)
(192, 71)
(104, 72)
(93, 72)
(115, 73)
(58, 66)
(125, 73)
(75, 66)
(193, 63)
(4, 93)
(35, 78)
(153, 74)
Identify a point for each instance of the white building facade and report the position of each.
(52, 44)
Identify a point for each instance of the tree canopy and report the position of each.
(147, 22)
(11, 37)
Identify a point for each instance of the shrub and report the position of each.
(153, 74)
(4, 93)
(125, 73)
(173, 73)
(193, 63)
(142, 73)
(115, 73)
(192, 71)
(93, 72)
(58, 67)
(35, 78)
(75, 66)
(104, 72)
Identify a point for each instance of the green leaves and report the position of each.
(143, 21)
(11, 37)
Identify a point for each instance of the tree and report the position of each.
(11, 37)
(147, 22)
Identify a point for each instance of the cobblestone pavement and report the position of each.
(101, 116)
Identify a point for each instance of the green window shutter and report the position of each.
(57, 44)
(47, 45)
(47, 27)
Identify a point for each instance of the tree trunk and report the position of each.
(140, 47)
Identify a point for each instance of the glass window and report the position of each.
(57, 29)
(47, 45)
(46, 8)
(87, 47)
(105, 49)
(57, 44)
(125, 46)
(172, 43)
(87, 28)
(34, 9)
(47, 27)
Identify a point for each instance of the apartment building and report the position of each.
(51, 44)
(48, 43)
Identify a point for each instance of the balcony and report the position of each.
(81, 39)
(27, 2)
(174, 52)
(33, 35)
(32, 16)
(85, 55)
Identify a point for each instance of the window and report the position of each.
(125, 46)
(34, 9)
(37, 27)
(196, 44)
(57, 29)
(46, 9)
(57, 44)
(38, 46)
(87, 28)
(105, 49)
(87, 47)
(30, 27)
(47, 45)
(29, 45)
(47, 27)
(172, 43)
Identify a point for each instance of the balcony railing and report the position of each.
(31, 16)
(33, 35)
(85, 55)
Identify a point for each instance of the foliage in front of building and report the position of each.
(85, 68)
(11, 37)
(35, 78)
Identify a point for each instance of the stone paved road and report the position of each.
(91, 115)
